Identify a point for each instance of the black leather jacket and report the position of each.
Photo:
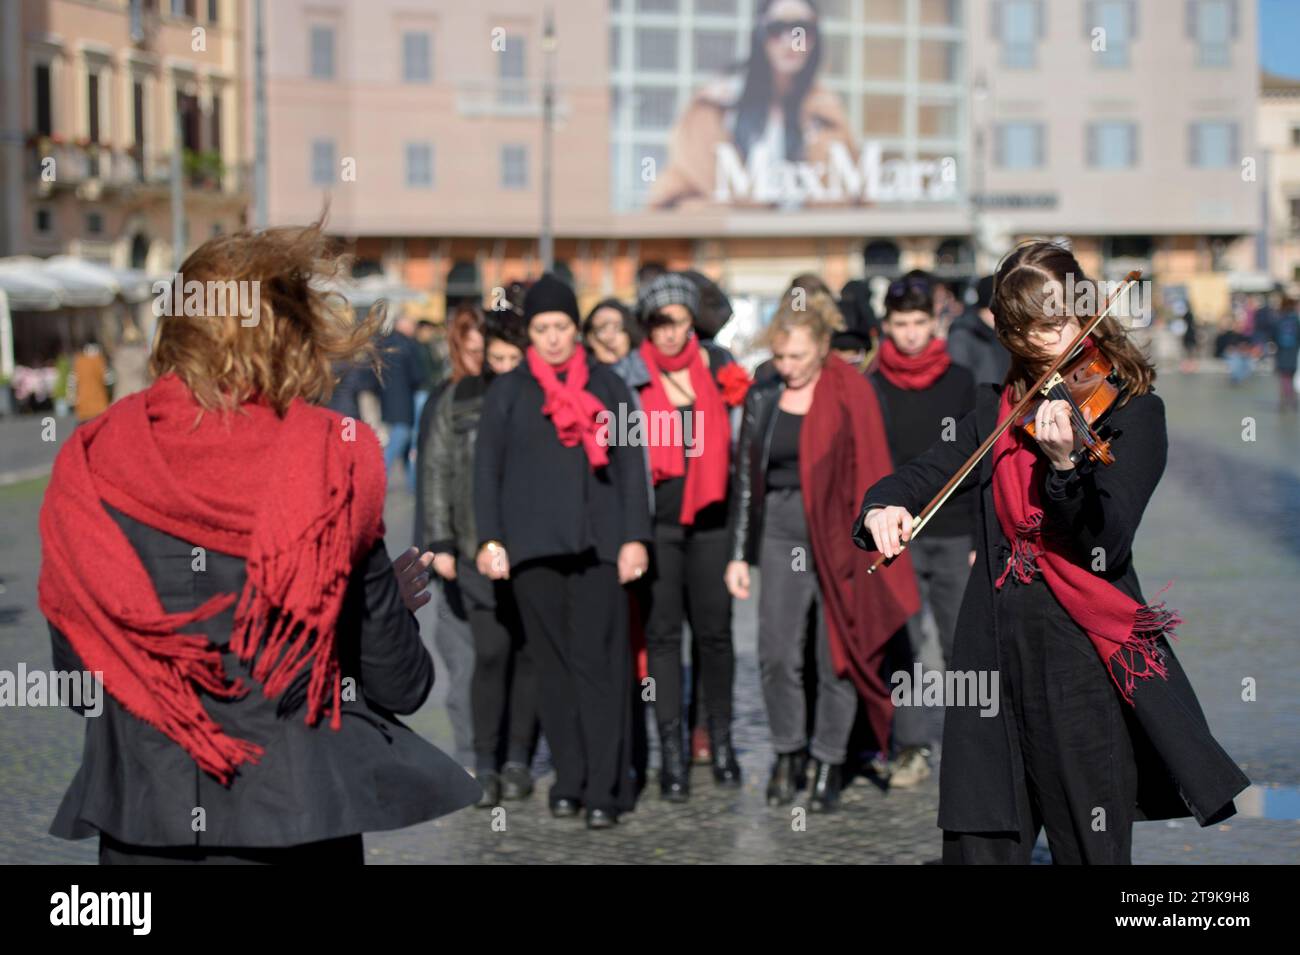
(749, 475)
(447, 463)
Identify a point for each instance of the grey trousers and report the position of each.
(788, 590)
(454, 641)
(942, 569)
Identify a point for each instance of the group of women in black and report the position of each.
(578, 529)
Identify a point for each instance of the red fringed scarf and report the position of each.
(300, 498)
(571, 408)
(842, 451)
(1124, 632)
(913, 372)
(706, 478)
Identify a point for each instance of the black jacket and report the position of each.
(312, 783)
(749, 471)
(975, 346)
(541, 499)
(1180, 765)
(446, 478)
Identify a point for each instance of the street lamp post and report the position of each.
(546, 242)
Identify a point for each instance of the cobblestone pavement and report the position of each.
(1224, 525)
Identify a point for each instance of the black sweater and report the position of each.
(541, 499)
(915, 420)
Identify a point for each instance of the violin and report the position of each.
(1092, 388)
(1086, 379)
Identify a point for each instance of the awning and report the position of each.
(27, 288)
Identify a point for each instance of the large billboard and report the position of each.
(786, 104)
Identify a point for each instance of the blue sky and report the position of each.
(1279, 36)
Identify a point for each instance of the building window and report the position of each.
(1019, 25)
(1117, 19)
(654, 108)
(1213, 145)
(1213, 25)
(322, 53)
(1295, 135)
(514, 167)
(1294, 223)
(44, 111)
(184, 8)
(322, 162)
(656, 50)
(94, 223)
(1020, 146)
(511, 71)
(44, 221)
(417, 58)
(214, 8)
(419, 165)
(1112, 145)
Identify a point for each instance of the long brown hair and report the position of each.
(291, 348)
(1024, 297)
(467, 318)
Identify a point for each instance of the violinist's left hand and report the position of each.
(1054, 433)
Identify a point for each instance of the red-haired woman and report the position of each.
(1095, 724)
(250, 632)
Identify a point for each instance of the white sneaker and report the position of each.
(909, 769)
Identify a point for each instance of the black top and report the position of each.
(542, 499)
(402, 376)
(783, 459)
(1181, 766)
(669, 492)
(916, 419)
(312, 782)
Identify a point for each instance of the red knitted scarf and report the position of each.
(913, 372)
(300, 498)
(1124, 632)
(571, 408)
(706, 478)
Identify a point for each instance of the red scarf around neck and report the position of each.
(300, 498)
(571, 408)
(842, 452)
(1124, 632)
(706, 478)
(913, 372)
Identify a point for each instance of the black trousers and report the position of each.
(345, 850)
(686, 585)
(1075, 771)
(503, 691)
(574, 613)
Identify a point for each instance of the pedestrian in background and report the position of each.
(401, 377)
(610, 331)
(973, 342)
(1286, 339)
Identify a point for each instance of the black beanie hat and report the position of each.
(550, 294)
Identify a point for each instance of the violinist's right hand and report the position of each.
(890, 527)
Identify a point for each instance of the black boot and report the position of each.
(827, 782)
(726, 771)
(491, 784)
(674, 772)
(783, 782)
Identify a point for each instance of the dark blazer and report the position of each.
(541, 499)
(749, 471)
(312, 783)
(1181, 767)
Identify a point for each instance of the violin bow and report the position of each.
(1049, 378)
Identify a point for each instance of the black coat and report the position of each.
(541, 499)
(312, 783)
(749, 470)
(1181, 767)
(445, 482)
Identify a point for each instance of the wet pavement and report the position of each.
(1224, 525)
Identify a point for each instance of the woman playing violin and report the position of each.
(1092, 723)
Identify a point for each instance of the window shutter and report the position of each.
(1133, 144)
(995, 19)
(1089, 18)
(999, 146)
(1232, 19)
(1040, 145)
(1191, 19)
(1092, 144)
(1132, 20)
(1233, 154)
(1040, 18)
(1193, 145)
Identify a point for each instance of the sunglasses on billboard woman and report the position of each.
(776, 29)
